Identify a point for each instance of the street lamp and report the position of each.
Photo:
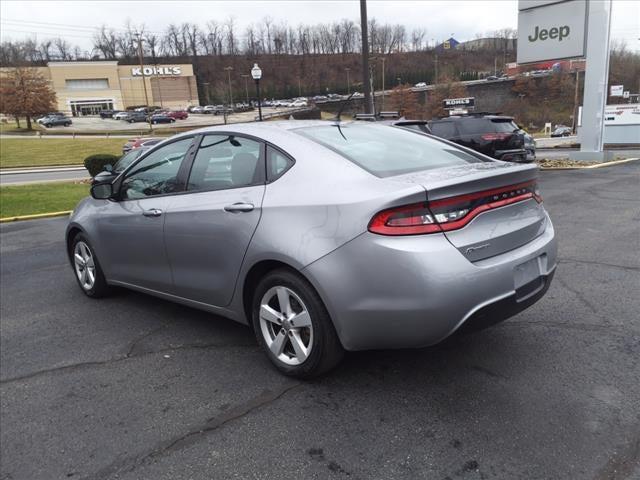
(256, 74)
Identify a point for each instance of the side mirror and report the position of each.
(108, 168)
(102, 191)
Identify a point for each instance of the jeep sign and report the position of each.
(551, 31)
(137, 71)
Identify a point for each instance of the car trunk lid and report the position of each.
(484, 209)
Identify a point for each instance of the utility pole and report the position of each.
(368, 99)
(348, 81)
(138, 36)
(246, 86)
(435, 81)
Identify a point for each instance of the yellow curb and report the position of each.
(35, 216)
(596, 165)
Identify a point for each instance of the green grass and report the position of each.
(12, 127)
(37, 152)
(40, 198)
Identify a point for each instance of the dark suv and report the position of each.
(494, 135)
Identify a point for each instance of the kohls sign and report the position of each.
(137, 71)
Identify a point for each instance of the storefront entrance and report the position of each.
(88, 108)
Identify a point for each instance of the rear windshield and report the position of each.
(471, 126)
(386, 151)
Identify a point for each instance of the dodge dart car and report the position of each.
(322, 236)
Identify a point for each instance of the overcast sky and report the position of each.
(76, 20)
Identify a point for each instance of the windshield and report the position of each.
(386, 151)
(475, 126)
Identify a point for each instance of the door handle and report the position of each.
(154, 212)
(239, 207)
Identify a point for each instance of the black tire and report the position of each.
(326, 349)
(100, 286)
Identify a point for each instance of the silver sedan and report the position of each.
(322, 236)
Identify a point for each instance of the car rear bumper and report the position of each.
(415, 291)
(511, 155)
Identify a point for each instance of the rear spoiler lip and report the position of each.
(480, 180)
(448, 182)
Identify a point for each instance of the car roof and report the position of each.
(465, 117)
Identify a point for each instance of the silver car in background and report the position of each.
(322, 236)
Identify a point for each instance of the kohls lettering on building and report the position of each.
(137, 71)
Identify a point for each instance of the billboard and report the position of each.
(551, 31)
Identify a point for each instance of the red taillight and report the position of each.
(448, 213)
(496, 136)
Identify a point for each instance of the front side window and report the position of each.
(226, 161)
(385, 151)
(156, 174)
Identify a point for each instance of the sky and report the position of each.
(463, 19)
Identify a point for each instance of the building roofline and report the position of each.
(73, 64)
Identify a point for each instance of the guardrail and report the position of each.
(282, 113)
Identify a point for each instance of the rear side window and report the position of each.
(226, 161)
(277, 164)
(385, 151)
(443, 129)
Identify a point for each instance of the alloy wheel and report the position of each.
(286, 325)
(85, 266)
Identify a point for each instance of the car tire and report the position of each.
(130, 121)
(317, 348)
(84, 259)
(172, 121)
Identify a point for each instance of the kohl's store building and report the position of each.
(86, 88)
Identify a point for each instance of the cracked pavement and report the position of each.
(132, 387)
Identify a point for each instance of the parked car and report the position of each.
(562, 131)
(300, 103)
(52, 114)
(161, 118)
(491, 78)
(320, 98)
(493, 135)
(140, 142)
(178, 114)
(108, 113)
(413, 239)
(120, 115)
(420, 85)
(136, 116)
(56, 121)
(197, 110)
(529, 144)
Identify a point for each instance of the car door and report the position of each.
(208, 230)
(131, 228)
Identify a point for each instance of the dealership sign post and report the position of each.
(557, 29)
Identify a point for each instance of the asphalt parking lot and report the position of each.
(132, 387)
(88, 124)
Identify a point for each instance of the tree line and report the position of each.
(218, 38)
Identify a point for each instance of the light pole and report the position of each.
(228, 70)
(246, 86)
(256, 74)
(348, 81)
(138, 36)
(383, 59)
